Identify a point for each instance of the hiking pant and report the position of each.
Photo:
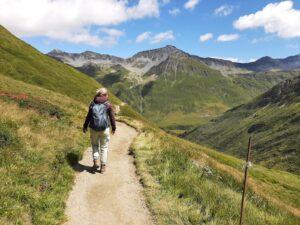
(102, 138)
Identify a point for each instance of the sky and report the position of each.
(241, 31)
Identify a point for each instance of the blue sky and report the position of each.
(178, 23)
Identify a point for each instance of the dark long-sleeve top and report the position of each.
(110, 113)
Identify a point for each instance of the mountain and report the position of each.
(173, 88)
(41, 142)
(273, 119)
(268, 64)
(138, 63)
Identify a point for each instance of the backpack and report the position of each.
(99, 118)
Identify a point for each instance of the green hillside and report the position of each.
(22, 62)
(273, 121)
(184, 183)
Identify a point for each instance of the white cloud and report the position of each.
(112, 35)
(279, 18)
(224, 10)
(163, 36)
(234, 59)
(174, 11)
(228, 37)
(191, 4)
(155, 38)
(143, 36)
(69, 20)
(205, 37)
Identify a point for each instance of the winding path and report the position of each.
(112, 198)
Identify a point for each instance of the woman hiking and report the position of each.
(99, 119)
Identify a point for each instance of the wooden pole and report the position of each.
(245, 181)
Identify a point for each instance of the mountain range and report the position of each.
(143, 61)
(178, 90)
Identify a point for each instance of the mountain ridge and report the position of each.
(140, 59)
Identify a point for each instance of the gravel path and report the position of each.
(112, 198)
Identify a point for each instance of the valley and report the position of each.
(190, 88)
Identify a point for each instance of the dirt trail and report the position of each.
(112, 198)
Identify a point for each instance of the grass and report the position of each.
(36, 139)
(186, 183)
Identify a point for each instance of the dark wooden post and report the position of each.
(245, 181)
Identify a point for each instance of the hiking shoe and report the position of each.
(103, 168)
(96, 165)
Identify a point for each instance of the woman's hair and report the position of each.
(101, 91)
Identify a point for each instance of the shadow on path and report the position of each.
(73, 160)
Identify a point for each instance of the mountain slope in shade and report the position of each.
(273, 119)
(267, 64)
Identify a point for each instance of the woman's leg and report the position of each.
(95, 138)
(104, 139)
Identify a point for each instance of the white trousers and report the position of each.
(99, 141)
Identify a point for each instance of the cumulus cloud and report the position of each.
(70, 20)
(163, 36)
(228, 37)
(279, 18)
(224, 10)
(155, 38)
(174, 11)
(143, 36)
(191, 4)
(205, 37)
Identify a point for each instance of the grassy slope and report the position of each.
(35, 176)
(189, 184)
(40, 131)
(274, 127)
(22, 62)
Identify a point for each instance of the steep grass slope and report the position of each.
(22, 62)
(39, 133)
(273, 119)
